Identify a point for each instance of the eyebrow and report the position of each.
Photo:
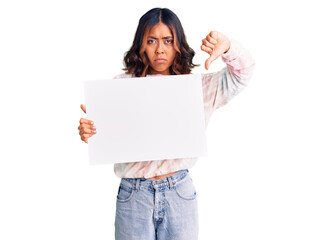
(168, 37)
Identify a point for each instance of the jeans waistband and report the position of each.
(163, 182)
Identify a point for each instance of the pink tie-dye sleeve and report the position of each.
(220, 87)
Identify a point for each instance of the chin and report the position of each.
(161, 70)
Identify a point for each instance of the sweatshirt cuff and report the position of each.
(233, 52)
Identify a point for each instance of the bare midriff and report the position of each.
(162, 176)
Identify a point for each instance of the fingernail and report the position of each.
(91, 122)
(94, 131)
(94, 127)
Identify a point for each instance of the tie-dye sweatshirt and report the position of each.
(218, 89)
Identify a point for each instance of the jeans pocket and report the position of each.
(125, 193)
(186, 190)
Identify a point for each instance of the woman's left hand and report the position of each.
(215, 44)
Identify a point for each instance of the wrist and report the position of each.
(229, 44)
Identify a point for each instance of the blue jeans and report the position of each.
(157, 209)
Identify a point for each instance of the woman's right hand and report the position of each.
(87, 127)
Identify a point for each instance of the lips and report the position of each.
(160, 60)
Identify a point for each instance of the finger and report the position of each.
(83, 125)
(207, 44)
(86, 136)
(83, 108)
(86, 121)
(213, 34)
(206, 49)
(87, 131)
(211, 40)
(212, 58)
(207, 63)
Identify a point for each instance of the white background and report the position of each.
(269, 170)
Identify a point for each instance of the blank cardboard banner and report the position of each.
(145, 119)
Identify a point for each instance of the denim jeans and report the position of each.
(164, 209)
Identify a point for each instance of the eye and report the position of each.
(169, 41)
(150, 41)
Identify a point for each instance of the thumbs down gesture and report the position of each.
(215, 44)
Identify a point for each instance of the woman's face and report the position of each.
(160, 49)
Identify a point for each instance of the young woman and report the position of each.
(156, 199)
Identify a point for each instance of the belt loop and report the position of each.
(137, 184)
(170, 183)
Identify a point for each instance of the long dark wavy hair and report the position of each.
(136, 61)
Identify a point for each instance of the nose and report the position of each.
(159, 49)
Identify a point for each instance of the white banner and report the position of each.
(149, 118)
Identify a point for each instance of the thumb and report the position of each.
(83, 108)
(212, 58)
